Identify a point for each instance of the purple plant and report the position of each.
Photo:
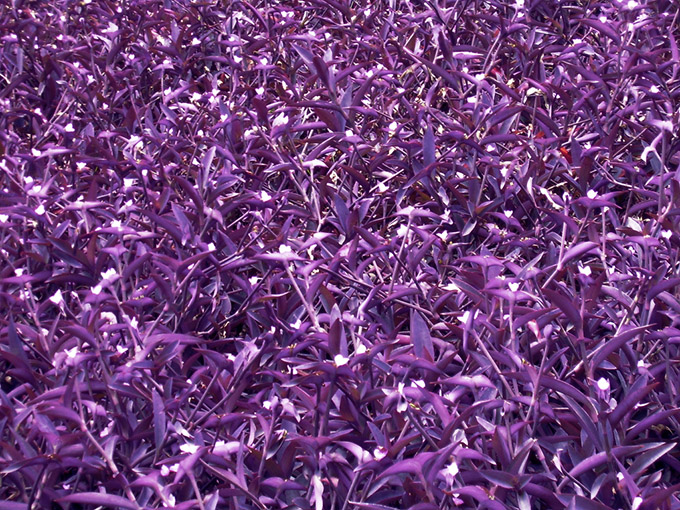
(338, 255)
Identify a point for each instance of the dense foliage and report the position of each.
(331, 254)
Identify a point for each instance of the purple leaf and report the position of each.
(573, 501)
(651, 455)
(420, 336)
(576, 251)
(100, 499)
(615, 343)
(158, 418)
(428, 146)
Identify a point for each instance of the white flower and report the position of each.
(4, 218)
(603, 384)
(654, 89)
(508, 214)
(666, 234)
(402, 231)
(513, 286)
(109, 274)
(418, 384)
(196, 96)
(452, 469)
(195, 41)
(392, 128)
(253, 280)
(296, 325)
(69, 128)
(19, 271)
(96, 290)
(379, 453)
(361, 349)
(636, 503)
(165, 470)
(264, 196)
(72, 353)
(40, 210)
(188, 448)
(225, 448)
(632, 4)
(57, 298)
(340, 360)
(259, 91)
(280, 120)
(349, 132)
(450, 396)
(451, 287)
(109, 317)
(585, 270)
(592, 194)
(284, 248)
(107, 430)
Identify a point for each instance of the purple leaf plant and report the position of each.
(339, 255)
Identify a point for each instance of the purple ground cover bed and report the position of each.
(339, 255)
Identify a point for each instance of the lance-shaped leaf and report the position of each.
(646, 459)
(429, 156)
(99, 499)
(577, 251)
(420, 336)
(158, 418)
(615, 343)
(575, 502)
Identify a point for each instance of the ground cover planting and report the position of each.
(339, 255)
